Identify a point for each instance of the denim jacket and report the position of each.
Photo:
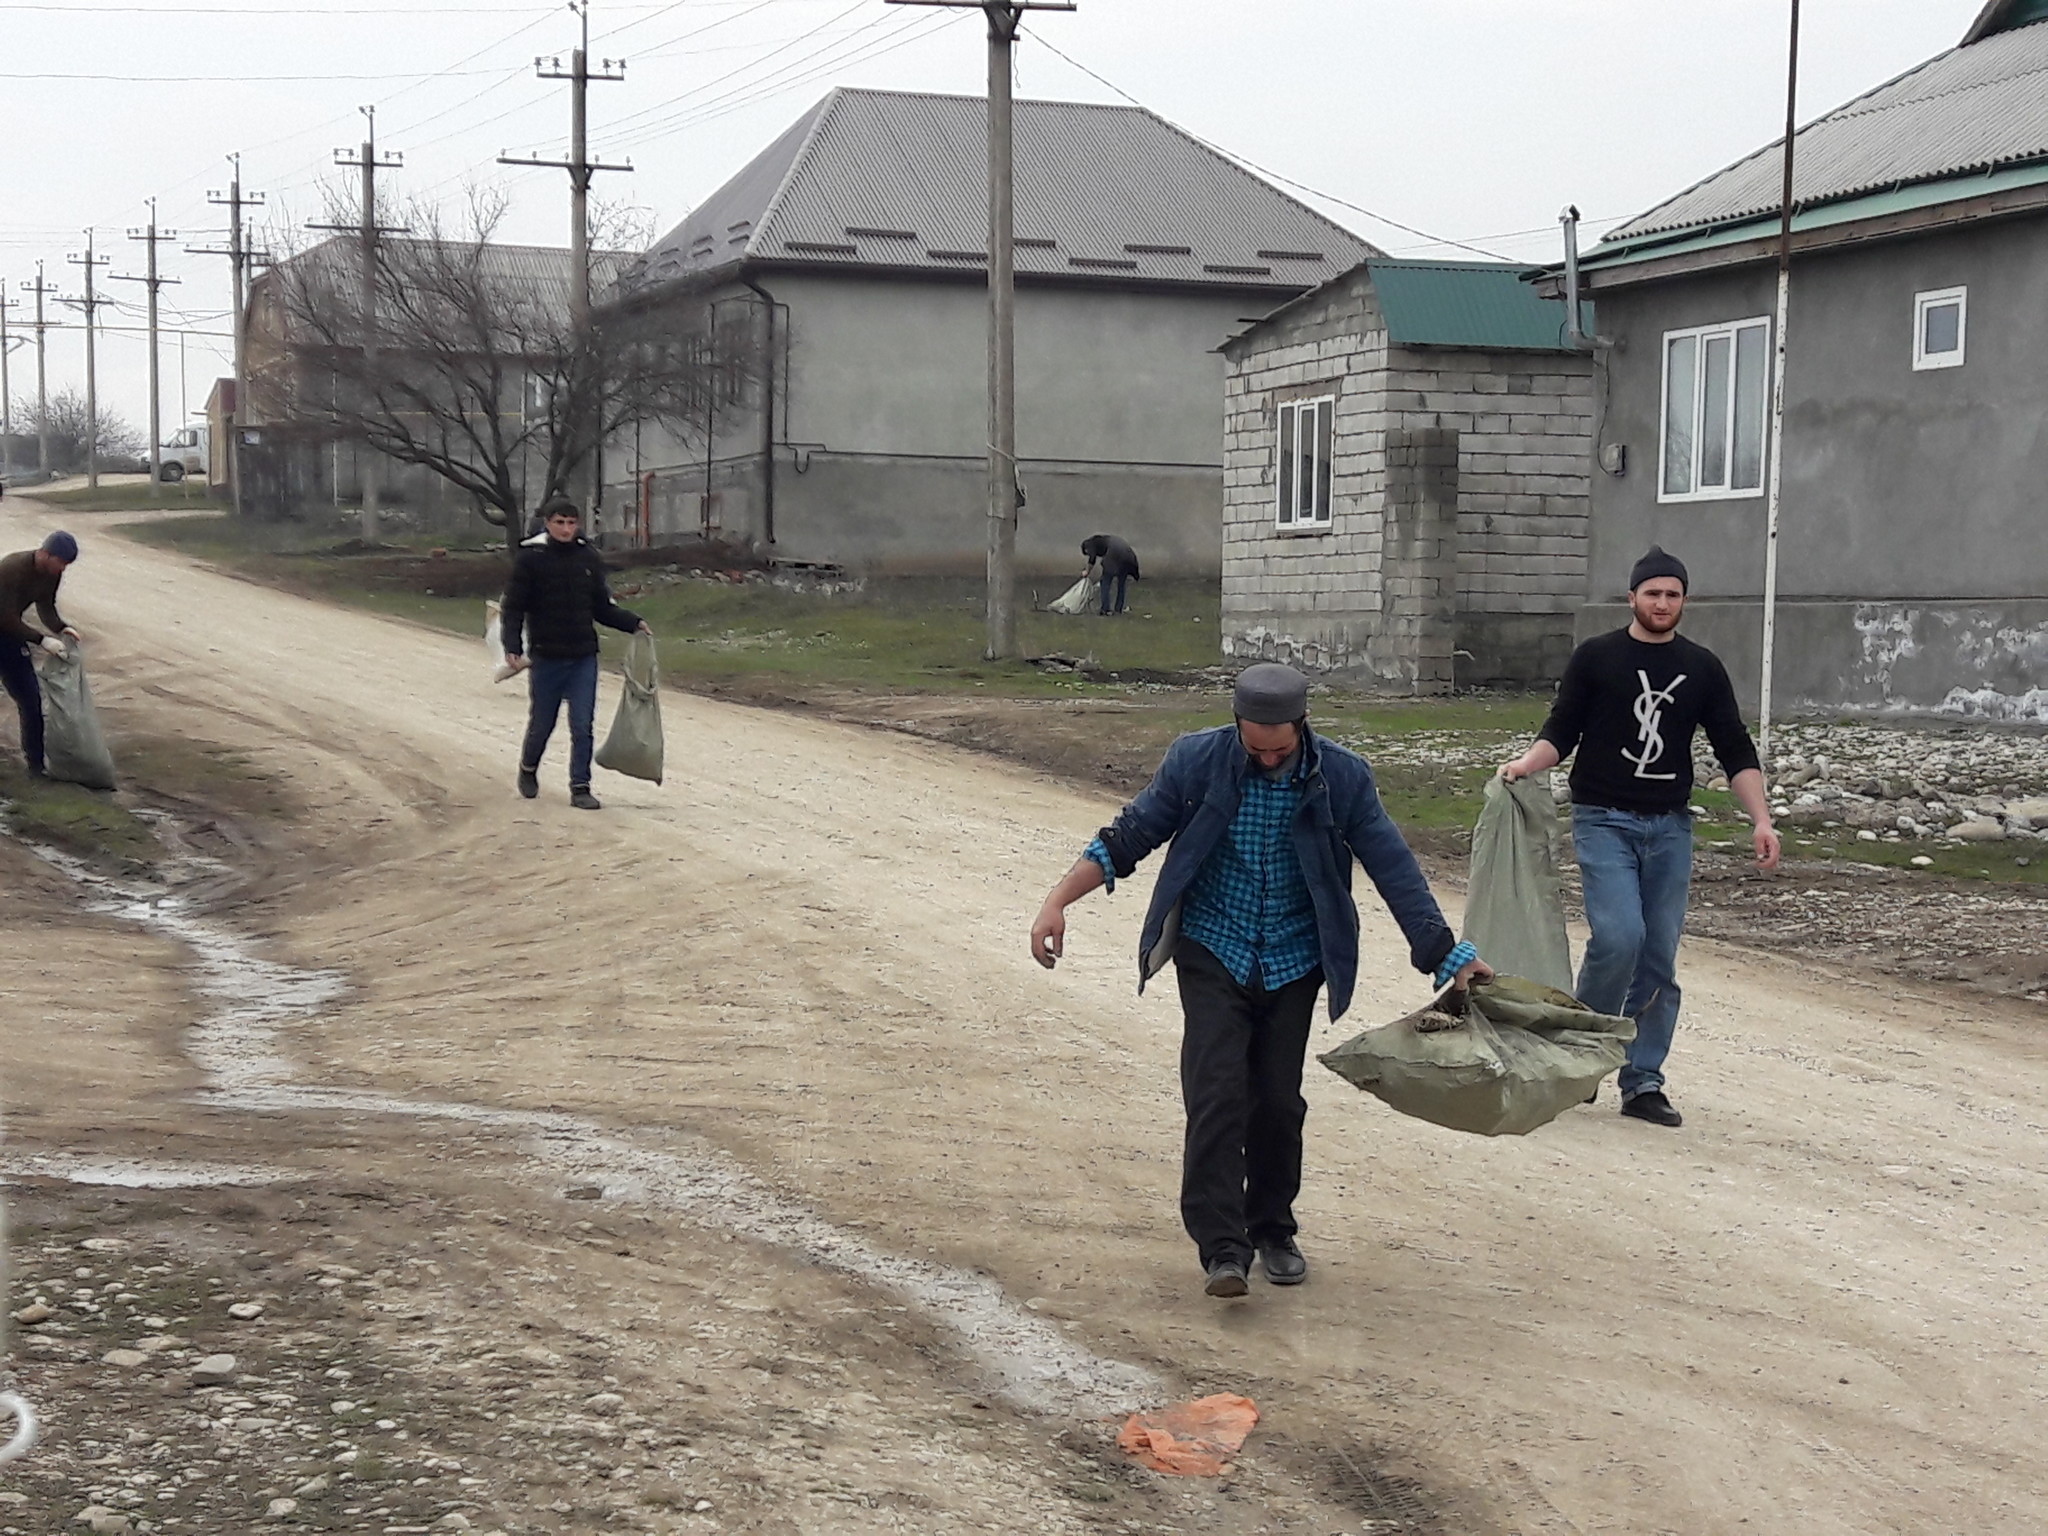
(1194, 796)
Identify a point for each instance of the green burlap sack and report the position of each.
(634, 744)
(76, 751)
(1514, 911)
(1520, 1056)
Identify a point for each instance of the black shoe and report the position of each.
(1226, 1278)
(1594, 1095)
(529, 783)
(1282, 1262)
(1653, 1107)
(584, 800)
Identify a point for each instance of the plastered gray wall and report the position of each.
(882, 426)
(1914, 502)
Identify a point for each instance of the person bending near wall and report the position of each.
(1119, 568)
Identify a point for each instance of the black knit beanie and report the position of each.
(1657, 563)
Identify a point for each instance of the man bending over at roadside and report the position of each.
(1254, 908)
(30, 580)
(1630, 703)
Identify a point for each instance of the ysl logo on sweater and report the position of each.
(1649, 712)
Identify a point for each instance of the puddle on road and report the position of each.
(239, 1047)
(126, 1173)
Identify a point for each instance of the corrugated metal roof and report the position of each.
(895, 179)
(1484, 305)
(1970, 110)
(1872, 205)
(2003, 16)
(1481, 305)
(530, 274)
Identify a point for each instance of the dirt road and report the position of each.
(887, 1229)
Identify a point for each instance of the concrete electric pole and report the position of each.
(368, 160)
(7, 346)
(581, 169)
(1005, 20)
(153, 237)
(41, 289)
(239, 260)
(90, 305)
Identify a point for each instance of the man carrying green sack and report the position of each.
(1254, 908)
(1629, 705)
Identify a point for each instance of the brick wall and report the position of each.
(1523, 423)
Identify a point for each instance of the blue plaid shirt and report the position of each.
(1249, 905)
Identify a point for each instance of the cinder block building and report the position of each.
(1406, 463)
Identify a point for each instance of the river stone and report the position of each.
(214, 1371)
(1977, 830)
(126, 1359)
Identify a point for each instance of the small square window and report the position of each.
(1940, 327)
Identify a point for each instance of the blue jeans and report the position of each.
(552, 682)
(1123, 587)
(1636, 871)
(18, 673)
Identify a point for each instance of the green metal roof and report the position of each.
(2005, 15)
(1875, 205)
(1484, 305)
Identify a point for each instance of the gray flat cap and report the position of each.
(1270, 694)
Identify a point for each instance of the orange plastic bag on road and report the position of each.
(1190, 1439)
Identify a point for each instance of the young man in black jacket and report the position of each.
(555, 599)
(1630, 703)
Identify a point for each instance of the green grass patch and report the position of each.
(128, 497)
(85, 822)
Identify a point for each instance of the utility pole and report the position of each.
(368, 160)
(90, 304)
(240, 258)
(7, 345)
(581, 169)
(1778, 398)
(41, 289)
(153, 236)
(1005, 20)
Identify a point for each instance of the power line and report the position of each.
(1287, 181)
(181, 79)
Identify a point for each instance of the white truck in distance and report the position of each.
(185, 453)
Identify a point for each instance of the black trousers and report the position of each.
(1241, 1056)
(18, 674)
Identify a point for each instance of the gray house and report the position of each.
(849, 260)
(1405, 471)
(1914, 542)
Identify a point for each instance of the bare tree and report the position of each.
(476, 373)
(69, 430)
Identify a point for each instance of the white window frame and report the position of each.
(1287, 415)
(1730, 329)
(1932, 299)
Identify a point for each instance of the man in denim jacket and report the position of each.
(1254, 908)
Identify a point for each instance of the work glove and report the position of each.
(1460, 957)
(53, 645)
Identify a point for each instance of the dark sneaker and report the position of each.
(584, 800)
(1282, 1262)
(1653, 1107)
(529, 783)
(1226, 1278)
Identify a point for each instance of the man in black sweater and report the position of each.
(555, 599)
(1629, 703)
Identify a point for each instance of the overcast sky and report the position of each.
(1469, 119)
